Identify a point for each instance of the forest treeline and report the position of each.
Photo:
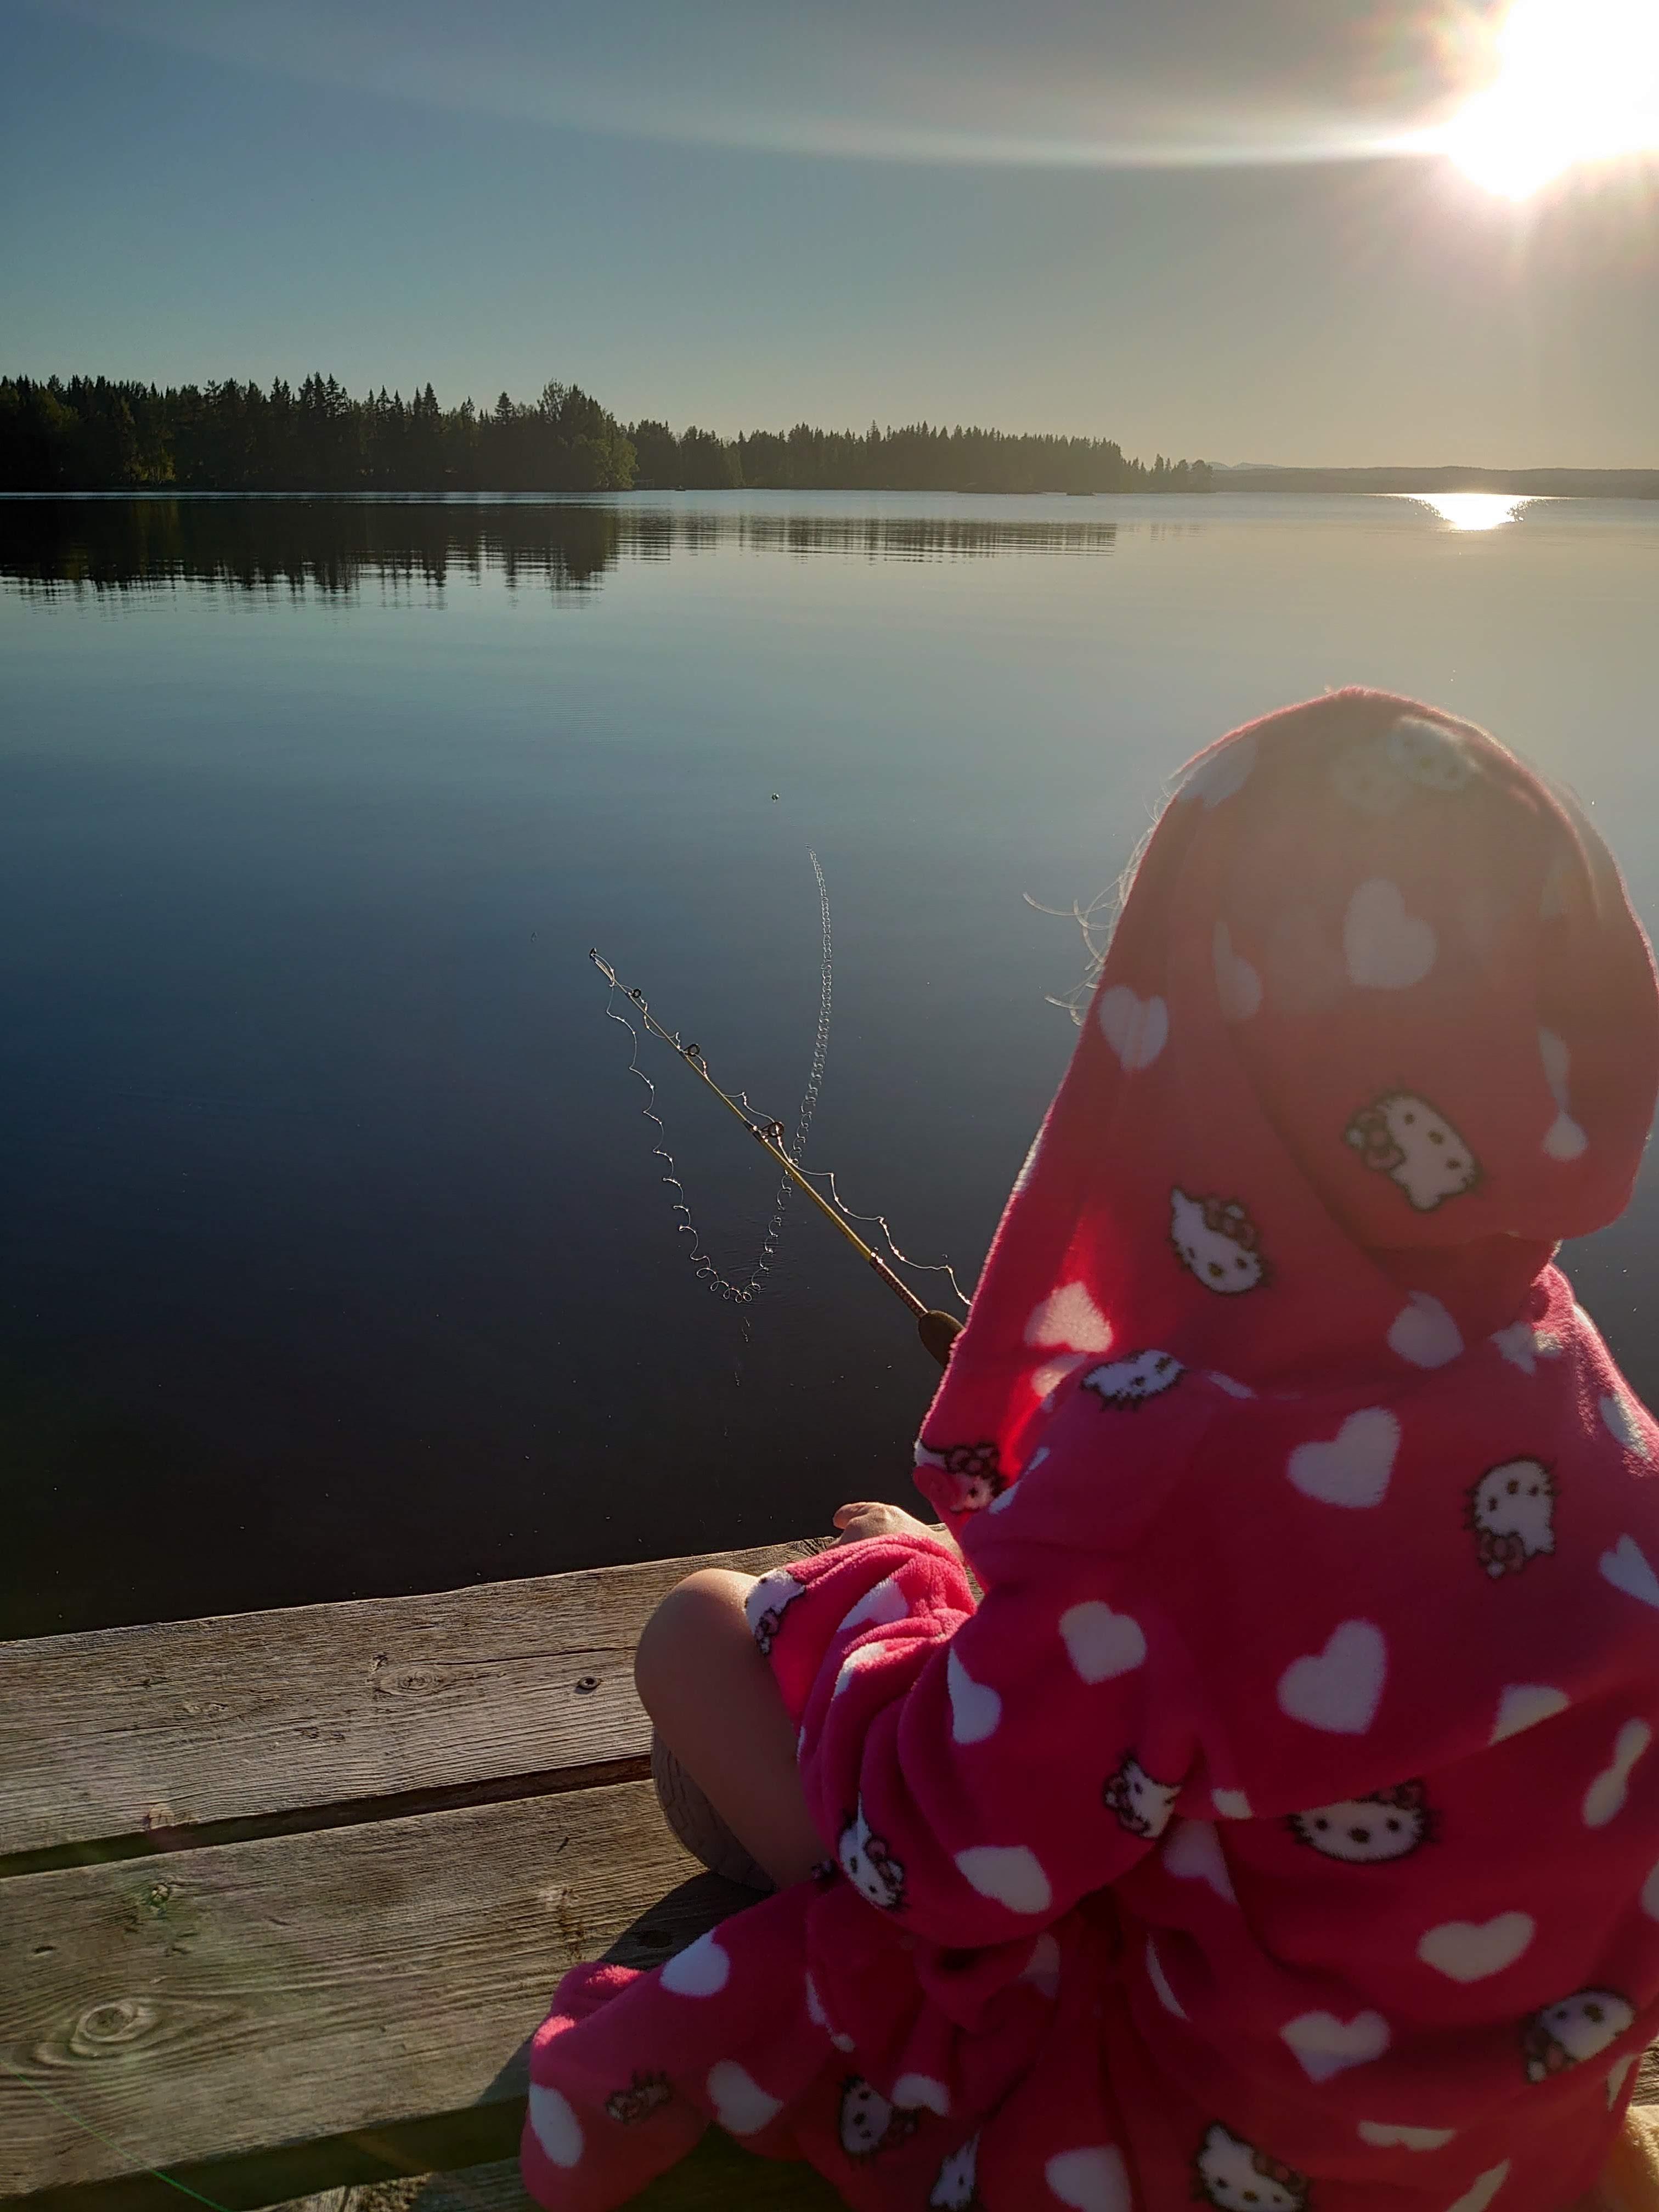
(93, 433)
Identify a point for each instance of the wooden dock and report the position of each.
(284, 1895)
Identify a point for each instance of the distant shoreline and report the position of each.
(1533, 483)
(1539, 484)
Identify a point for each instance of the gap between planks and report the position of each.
(178, 1726)
(232, 1999)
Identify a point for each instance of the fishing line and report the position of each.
(938, 1329)
(741, 1292)
(919, 1266)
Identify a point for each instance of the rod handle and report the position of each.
(939, 1332)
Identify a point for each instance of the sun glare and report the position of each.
(1471, 510)
(1577, 80)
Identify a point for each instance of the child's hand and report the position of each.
(865, 1519)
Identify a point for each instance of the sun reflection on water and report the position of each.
(1473, 510)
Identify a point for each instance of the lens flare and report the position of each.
(1577, 80)
(1471, 510)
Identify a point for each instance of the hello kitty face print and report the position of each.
(867, 1863)
(1511, 1512)
(1215, 1240)
(1377, 774)
(1429, 755)
(1390, 1824)
(1143, 1804)
(645, 2094)
(1233, 2175)
(1402, 1136)
(1576, 2028)
(974, 1478)
(763, 1607)
(1131, 1381)
(956, 2189)
(868, 2122)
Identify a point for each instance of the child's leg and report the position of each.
(712, 1698)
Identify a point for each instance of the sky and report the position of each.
(1201, 229)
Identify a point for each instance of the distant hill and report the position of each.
(1558, 484)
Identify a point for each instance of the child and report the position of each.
(1281, 1828)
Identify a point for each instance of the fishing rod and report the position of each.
(938, 1330)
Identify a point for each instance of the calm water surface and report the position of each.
(333, 1256)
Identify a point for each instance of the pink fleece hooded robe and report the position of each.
(1281, 1828)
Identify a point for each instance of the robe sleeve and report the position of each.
(976, 1769)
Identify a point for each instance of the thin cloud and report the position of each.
(1065, 86)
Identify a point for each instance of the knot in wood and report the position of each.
(112, 2025)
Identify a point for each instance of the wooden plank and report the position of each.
(717, 2176)
(230, 1999)
(121, 1731)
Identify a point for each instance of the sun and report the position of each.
(1577, 80)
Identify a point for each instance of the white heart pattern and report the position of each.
(920, 2093)
(1137, 1030)
(1069, 1319)
(975, 1710)
(1524, 1705)
(1474, 1950)
(554, 2124)
(1160, 1982)
(814, 2011)
(1193, 1853)
(1340, 1688)
(1423, 1333)
(1622, 2071)
(1605, 1798)
(1386, 948)
(1625, 1566)
(1095, 2179)
(1230, 1804)
(883, 1602)
(1325, 2045)
(1564, 1139)
(1523, 1346)
(1008, 1874)
(1238, 985)
(741, 2105)
(1387, 2135)
(1482, 2192)
(1619, 1418)
(1100, 1644)
(702, 1970)
(1353, 1467)
(1047, 1378)
(862, 1656)
(1227, 771)
(1041, 1969)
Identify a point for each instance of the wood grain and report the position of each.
(717, 2176)
(126, 1730)
(234, 1998)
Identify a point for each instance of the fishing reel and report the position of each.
(938, 1331)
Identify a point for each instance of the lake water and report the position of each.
(333, 1256)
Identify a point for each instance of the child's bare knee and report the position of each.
(697, 1614)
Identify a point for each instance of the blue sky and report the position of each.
(1167, 223)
